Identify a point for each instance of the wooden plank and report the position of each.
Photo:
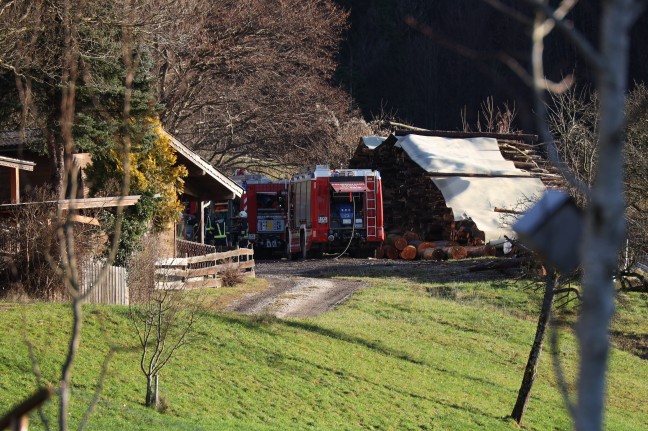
(246, 265)
(172, 272)
(117, 201)
(171, 261)
(531, 139)
(217, 269)
(220, 255)
(200, 272)
(111, 289)
(24, 165)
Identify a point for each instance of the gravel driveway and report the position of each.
(307, 288)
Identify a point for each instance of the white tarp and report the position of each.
(477, 197)
(373, 142)
(438, 155)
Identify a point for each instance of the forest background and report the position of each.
(264, 85)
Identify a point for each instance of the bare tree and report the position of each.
(47, 45)
(251, 83)
(531, 368)
(604, 213)
(162, 316)
(574, 119)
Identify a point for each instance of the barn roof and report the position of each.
(204, 181)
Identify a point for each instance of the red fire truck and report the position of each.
(334, 211)
(264, 201)
(318, 210)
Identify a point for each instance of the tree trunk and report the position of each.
(480, 250)
(150, 391)
(423, 246)
(605, 223)
(531, 369)
(410, 236)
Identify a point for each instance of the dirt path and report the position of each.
(297, 296)
(311, 287)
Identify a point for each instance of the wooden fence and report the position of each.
(111, 289)
(203, 271)
(189, 248)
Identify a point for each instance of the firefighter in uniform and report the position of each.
(220, 236)
(209, 229)
(240, 231)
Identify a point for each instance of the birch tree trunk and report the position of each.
(605, 223)
(604, 230)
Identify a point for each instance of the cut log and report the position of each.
(397, 241)
(455, 252)
(408, 253)
(424, 245)
(411, 236)
(480, 250)
(391, 252)
(444, 243)
(434, 254)
(428, 254)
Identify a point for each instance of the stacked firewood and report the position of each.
(411, 200)
(410, 246)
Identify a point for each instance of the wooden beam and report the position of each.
(14, 186)
(117, 201)
(530, 139)
(79, 204)
(25, 165)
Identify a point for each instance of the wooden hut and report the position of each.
(426, 175)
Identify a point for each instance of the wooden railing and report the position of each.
(203, 271)
(189, 248)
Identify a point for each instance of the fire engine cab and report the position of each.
(265, 203)
(334, 211)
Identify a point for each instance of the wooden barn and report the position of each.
(23, 168)
(456, 186)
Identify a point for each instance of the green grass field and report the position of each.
(401, 354)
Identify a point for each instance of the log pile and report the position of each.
(398, 248)
(412, 202)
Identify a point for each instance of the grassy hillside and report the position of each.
(401, 354)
